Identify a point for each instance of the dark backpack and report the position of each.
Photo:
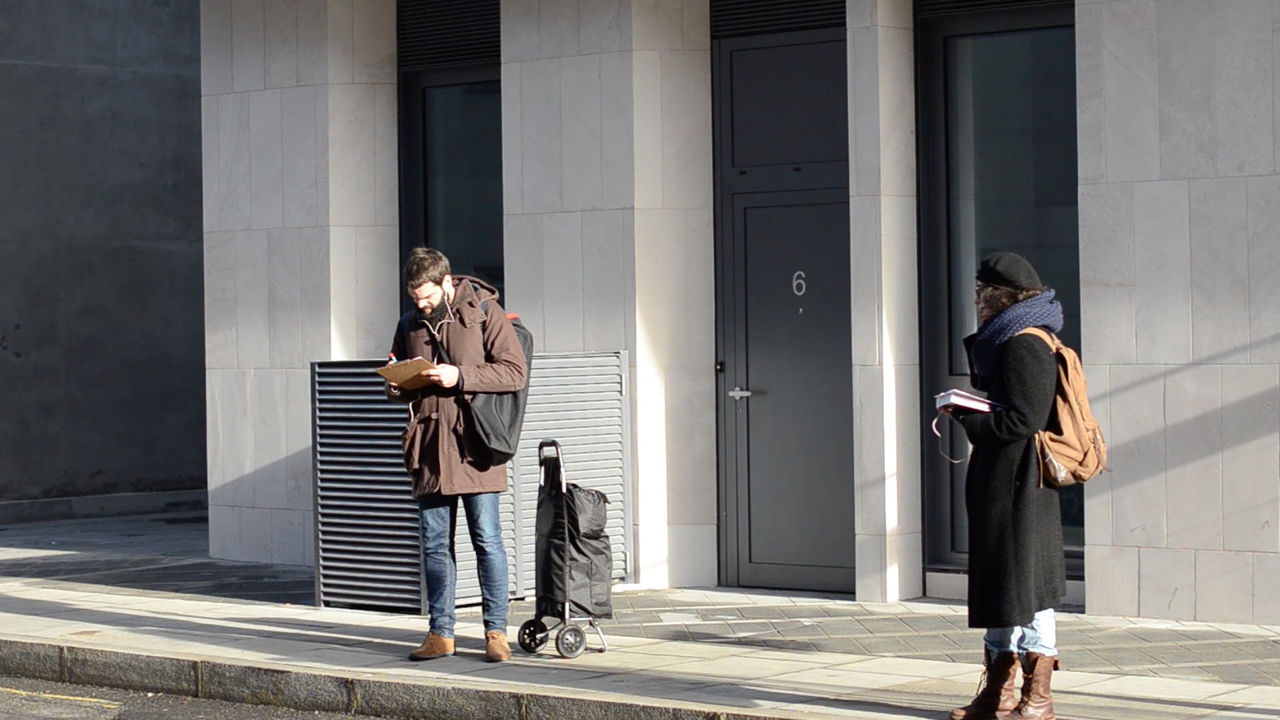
(498, 417)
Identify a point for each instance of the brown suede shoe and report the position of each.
(496, 648)
(435, 646)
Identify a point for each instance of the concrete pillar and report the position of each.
(883, 272)
(608, 233)
(675, 294)
(301, 245)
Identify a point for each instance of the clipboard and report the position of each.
(407, 373)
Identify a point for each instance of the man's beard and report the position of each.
(437, 313)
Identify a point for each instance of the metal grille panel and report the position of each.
(939, 8)
(580, 400)
(367, 550)
(437, 34)
(734, 18)
(367, 540)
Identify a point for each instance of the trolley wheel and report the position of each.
(532, 636)
(571, 641)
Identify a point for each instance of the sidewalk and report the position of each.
(133, 602)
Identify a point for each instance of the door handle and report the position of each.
(737, 393)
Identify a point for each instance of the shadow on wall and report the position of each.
(1221, 358)
(262, 514)
(101, 250)
(1195, 437)
(1186, 424)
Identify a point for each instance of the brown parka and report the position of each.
(479, 340)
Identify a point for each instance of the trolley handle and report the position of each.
(548, 445)
(548, 450)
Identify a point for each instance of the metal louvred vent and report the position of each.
(367, 541)
(580, 400)
(940, 8)
(367, 547)
(734, 18)
(435, 34)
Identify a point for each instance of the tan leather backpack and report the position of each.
(1071, 450)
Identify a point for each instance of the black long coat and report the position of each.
(1016, 560)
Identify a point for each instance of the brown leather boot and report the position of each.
(496, 648)
(1037, 699)
(995, 698)
(435, 646)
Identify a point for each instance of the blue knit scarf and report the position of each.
(1039, 311)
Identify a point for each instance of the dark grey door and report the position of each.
(786, 394)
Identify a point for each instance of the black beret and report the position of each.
(1008, 270)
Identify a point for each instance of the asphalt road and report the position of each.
(22, 699)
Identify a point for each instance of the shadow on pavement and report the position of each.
(158, 553)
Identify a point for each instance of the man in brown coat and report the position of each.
(459, 326)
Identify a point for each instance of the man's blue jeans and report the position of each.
(439, 521)
(1041, 636)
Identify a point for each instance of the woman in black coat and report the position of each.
(1017, 571)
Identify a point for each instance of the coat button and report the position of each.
(435, 416)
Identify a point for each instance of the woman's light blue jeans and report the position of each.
(1041, 636)
(439, 521)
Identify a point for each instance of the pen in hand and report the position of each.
(391, 360)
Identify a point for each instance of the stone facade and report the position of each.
(301, 243)
(1179, 249)
(608, 194)
(100, 254)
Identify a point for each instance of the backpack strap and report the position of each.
(1054, 345)
(1050, 339)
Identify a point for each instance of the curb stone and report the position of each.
(32, 660)
(89, 666)
(265, 686)
(553, 707)
(318, 691)
(407, 700)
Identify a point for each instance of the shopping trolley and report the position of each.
(574, 563)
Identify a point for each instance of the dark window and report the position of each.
(462, 140)
(1011, 165)
(997, 154)
(451, 133)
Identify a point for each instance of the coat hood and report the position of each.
(466, 286)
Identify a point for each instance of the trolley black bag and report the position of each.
(584, 545)
(573, 561)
